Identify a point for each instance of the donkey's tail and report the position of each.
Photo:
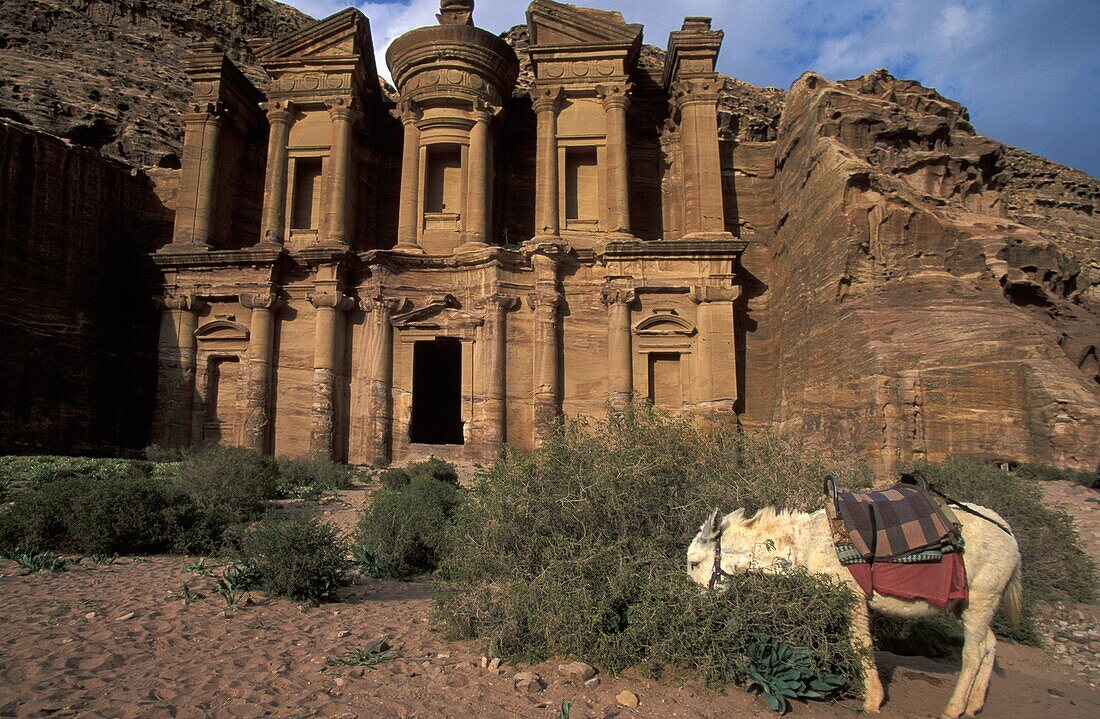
(1012, 602)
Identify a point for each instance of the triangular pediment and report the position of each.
(438, 314)
(340, 35)
(554, 24)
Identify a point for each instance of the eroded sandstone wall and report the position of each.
(910, 318)
(77, 325)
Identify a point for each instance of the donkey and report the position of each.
(770, 539)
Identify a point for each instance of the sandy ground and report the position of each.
(115, 641)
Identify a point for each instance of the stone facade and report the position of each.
(379, 280)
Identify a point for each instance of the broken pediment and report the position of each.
(441, 314)
(345, 33)
(553, 24)
(222, 331)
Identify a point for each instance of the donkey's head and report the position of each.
(728, 545)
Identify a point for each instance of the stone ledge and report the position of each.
(215, 258)
(688, 249)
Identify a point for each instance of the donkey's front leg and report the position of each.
(861, 639)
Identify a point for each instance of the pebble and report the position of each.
(592, 683)
(494, 664)
(90, 615)
(627, 699)
(528, 682)
(342, 634)
(577, 671)
(124, 617)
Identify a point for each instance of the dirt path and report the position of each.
(111, 641)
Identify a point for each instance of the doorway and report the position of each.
(437, 392)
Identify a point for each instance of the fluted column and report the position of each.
(491, 414)
(545, 101)
(616, 99)
(257, 403)
(477, 181)
(343, 116)
(175, 370)
(372, 429)
(704, 214)
(546, 301)
(620, 370)
(273, 221)
(328, 327)
(408, 203)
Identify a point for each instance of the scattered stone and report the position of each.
(577, 671)
(528, 682)
(90, 615)
(494, 664)
(124, 617)
(627, 699)
(342, 634)
(485, 662)
(592, 683)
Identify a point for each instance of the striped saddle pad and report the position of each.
(900, 524)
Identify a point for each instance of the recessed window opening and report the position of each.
(582, 184)
(307, 187)
(664, 380)
(443, 192)
(221, 408)
(437, 392)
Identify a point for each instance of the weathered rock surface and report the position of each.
(107, 73)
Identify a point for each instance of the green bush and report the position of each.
(310, 476)
(118, 515)
(402, 532)
(37, 470)
(232, 482)
(1046, 473)
(1055, 566)
(156, 453)
(296, 556)
(577, 549)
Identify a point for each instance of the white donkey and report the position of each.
(736, 543)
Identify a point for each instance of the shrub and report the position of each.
(296, 556)
(1055, 566)
(232, 482)
(156, 453)
(1046, 473)
(577, 549)
(402, 531)
(35, 471)
(310, 476)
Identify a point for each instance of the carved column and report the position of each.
(615, 102)
(273, 222)
(326, 365)
(546, 301)
(545, 101)
(342, 115)
(407, 217)
(704, 215)
(372, 433)
(492, 357)
(620, 371)
(477, 181)
(257, 413)
(715, 385)
(175, 370)
(197, 184)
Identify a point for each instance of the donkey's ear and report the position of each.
(713, 524)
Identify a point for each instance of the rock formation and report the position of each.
(908, 289)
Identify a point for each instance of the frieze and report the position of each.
(312, 82)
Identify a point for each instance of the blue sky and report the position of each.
(1028, 70)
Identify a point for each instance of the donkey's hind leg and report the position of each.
(873, 693)
(977, 647)
(976, 699)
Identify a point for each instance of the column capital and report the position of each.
(187, 302)
(409, 112)
(278, 111)
(701, 294)
(385, 306)
(497, 300)
(261, 301)
(612, 296)
(331, 299)
(342, 108)
(545, 98)
(204, 112)
(549, 300)
(484, 111)
(614, 95)
(696, 90)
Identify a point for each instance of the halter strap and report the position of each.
(716, 571)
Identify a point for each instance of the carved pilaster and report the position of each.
(372, 415)
(408, 217)
(280, 117)
(257, 413)
(176, 352)
(545, 99)
(198, 178)
(616, 99)
(479, 178)
(489, 415)
(546, 302)
(715, 388)
(328, 330)
(620, 373)
(343, 115)
(696, 100)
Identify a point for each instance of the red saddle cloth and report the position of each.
(935, 582)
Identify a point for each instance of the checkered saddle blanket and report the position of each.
(900, 524)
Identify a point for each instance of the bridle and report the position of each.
(716, 571)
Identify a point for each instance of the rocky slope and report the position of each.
(106, 73)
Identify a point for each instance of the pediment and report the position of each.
(340, 35)
(553, 23)
(664, 324)
(222, 331)
(444, 313)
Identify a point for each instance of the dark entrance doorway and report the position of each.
(437, 392)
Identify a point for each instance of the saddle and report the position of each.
(903, 524)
